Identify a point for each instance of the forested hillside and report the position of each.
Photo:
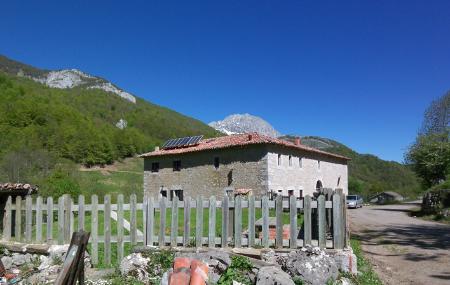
(369, 174)
(44, 129)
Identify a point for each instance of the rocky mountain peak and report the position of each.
(62, 79)
(244, 123)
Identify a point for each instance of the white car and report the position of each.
(354, 201)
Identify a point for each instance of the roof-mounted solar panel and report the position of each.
(182, 142)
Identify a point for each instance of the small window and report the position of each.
(290, 192)
(290, 160)
(230, 177)
(176, 165)
(216, 162)
(279, 159)
(163, 193)
(155, 166)
(300, 162)
(177, 193)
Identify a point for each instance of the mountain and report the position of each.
(69, 114)
(368, 174)
(62, 79)
(244, 123)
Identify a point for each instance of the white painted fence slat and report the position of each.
(28, 219)
(49, 236)
(107, 230)
(187, 222)
(94, 229)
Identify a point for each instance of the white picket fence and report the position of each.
(161, 219)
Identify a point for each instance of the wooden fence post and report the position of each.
(225, 221)
(279, 221)
(251, 221)
(307, 221)
(338, 222)
(150, 220)
(28, 218)
(265, 222)
(49, 236)
(162, 221)
(212, 222)
(107, 229)
(187, 221)
(238, 221)
(174, 222)
(67, 216)
(133, 219)
(94, 229)
(81, 212)
(7, 220)
(61, 220)
(39, 219)
(18, 229)
(293, 221)
(321, 220)
(120, 245)
(199, 222)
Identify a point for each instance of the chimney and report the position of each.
(156, 148)
(297, 141)
(250, 137)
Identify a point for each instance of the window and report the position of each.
(163, 193)
(176, 193)
(290, 160)
(216, 162)
(279, 159)
(230, 177)
(300, 162)
(290, 192)
(176, 165)
(155, 166)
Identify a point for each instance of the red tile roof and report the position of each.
(235, 141)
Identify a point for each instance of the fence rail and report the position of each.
(192, 222)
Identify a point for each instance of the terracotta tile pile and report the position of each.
(187, 271)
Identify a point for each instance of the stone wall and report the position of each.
(255, 167)
(243, 167)
(304, 175)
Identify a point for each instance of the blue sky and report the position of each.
(360, 72)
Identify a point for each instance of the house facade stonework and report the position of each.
(251, 161)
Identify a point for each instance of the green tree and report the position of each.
(430, 158)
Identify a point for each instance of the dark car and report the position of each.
(354, 201)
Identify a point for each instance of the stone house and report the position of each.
(253, 161)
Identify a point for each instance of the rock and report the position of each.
(311, 265)
(135, 265)
(7, 262)
(346, 260)
(272, 275)
(20, 259)
(269, 256)
(122, 124)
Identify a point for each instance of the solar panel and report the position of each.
(182, 142)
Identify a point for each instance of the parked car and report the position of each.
(354, 201)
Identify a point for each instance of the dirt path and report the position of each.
(403, 249)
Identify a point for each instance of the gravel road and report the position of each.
(403, 249)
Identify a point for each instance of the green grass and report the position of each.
(366, 276)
